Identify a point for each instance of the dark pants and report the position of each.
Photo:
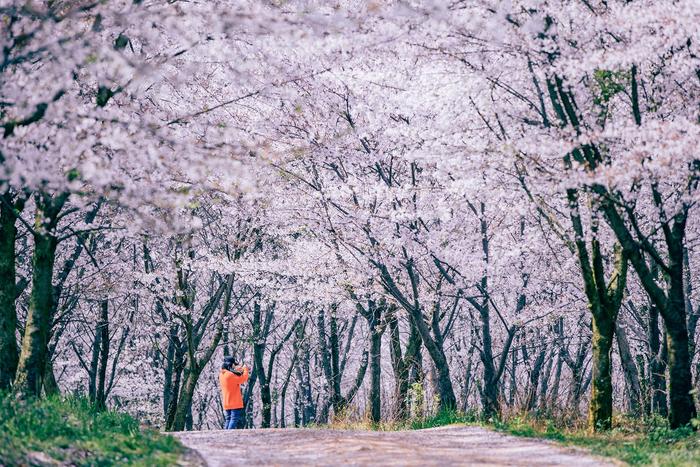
(234, 419)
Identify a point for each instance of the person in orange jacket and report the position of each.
(231, 377)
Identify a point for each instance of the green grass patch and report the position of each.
(70, 429)
(443, 418)
(635, 441)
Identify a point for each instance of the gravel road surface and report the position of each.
(454, 445)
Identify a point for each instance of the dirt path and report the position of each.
(454, 445)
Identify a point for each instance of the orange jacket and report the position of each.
(231, 388)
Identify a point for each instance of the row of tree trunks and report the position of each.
(624, 222)
(180, 412)
(431, 336)
(261, 331)
(333, 364)
(402, 363)
(535, 376)
(375, 313)
(492, 371)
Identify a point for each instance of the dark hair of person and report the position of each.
(229, 363)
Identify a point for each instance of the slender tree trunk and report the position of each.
(630, 370)
(183, 412)
(577, 374)
(248, 399)
(544, 387)
(466, 387)
(375, 376)
(305, 405)
(535, 379)
(334, 345)
(100, 399)
(373, 314)
(283, 392)
(644, 383)
(489, 397)
(513, 389)
(401, 364)
(174, 394)
(657, 365)
(168, 370)
(576, 388)
(297, 411)
(8, 312)
(448, 401)
(265, 394)
(94, 364)
(325, 352)
(553, 397)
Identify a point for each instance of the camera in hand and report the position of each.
(230, 364)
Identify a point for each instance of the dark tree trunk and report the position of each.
(174, 394)
(657, 365)
(8, 312)
(32, 361)
(168, 371)
(183, 412)
(260, 331)
(630, 370)
(283, 393)
(433, 341)
(100, 395)
(535, 379)
(375, 377)
(466, 387)
(600, 411)
(448, 401)
(50, 383)
(375, 314)
(179, 414)
(680, 389)
(305, 404)
(577, 371)
(94, 363)
(544, 386)
(490, 394)
(670, 303)
(297, 411)
(401, 364)
(553, 397)
(333, 368)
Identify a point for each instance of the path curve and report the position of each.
(454, 445)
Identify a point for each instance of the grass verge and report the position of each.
(634, 441)
(41, 432)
